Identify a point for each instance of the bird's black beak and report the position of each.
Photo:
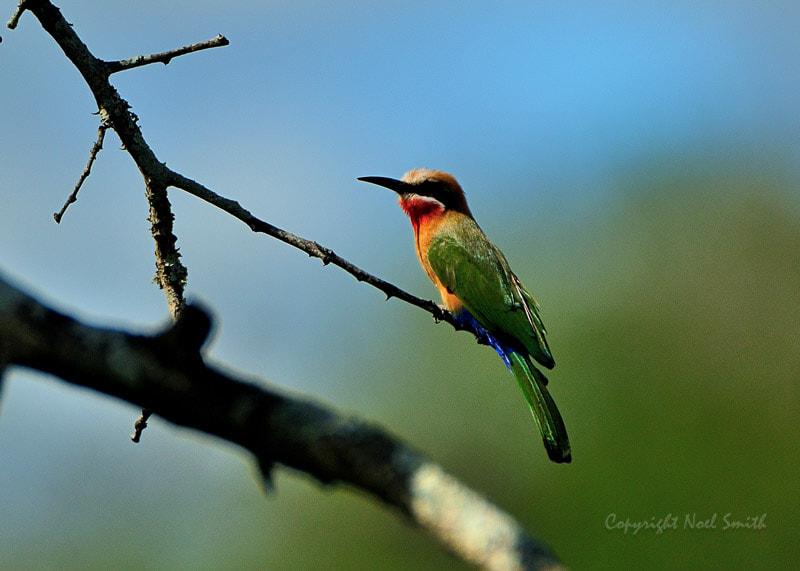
(398, 186)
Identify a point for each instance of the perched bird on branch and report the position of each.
(480, 290)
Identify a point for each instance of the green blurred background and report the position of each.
(638, 166)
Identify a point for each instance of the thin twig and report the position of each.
(98, 145)
(165, 57)
(328, 256)
(14, 20)
(313, 249)
(140, 425)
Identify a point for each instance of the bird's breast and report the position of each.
(425, 232)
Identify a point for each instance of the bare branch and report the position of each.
(126, 125)
(140, 424)
(14, 20)
(73, 197)
(165, 57)
(168, 372)
(170, 272)
(310, 247)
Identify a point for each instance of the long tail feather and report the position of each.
(543, 407)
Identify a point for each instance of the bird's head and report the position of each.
(425, 192)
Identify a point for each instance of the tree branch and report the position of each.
(165, 57)
(168, 372)
(170, 272)
(96, 73)
(14, 20)
(313, 249)
(115, 111)
(73, 197)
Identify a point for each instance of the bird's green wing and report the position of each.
(475, 270)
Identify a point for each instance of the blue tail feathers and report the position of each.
(464, 319)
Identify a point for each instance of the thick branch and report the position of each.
(167, 372)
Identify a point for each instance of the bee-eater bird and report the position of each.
(480, 290)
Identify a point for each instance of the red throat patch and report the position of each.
(420, 210)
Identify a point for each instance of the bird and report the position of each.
(479, 289)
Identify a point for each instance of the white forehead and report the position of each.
(417, 176)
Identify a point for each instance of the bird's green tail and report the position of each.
(543, 407)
